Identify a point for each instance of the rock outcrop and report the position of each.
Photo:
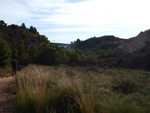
(134, 44)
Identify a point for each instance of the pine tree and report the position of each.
(21, 48)
(15, 53)
(23, 25)
(5, 52)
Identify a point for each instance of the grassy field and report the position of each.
(62, 89)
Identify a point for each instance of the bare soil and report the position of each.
(6, 94)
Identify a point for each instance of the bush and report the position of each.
(127, 86)
(48, 55)
(74, 57)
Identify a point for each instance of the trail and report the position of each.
(6, 95)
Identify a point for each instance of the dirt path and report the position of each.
(6, 95)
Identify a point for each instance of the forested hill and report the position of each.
(26, 45)
(13, 34)
(132, 53)
(97, 43)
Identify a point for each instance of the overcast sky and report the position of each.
(66, 20)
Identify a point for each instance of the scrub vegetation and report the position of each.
(63, 89)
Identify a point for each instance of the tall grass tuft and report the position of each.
(33, 94)
(46, 90)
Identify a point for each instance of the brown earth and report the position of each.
(6, 95)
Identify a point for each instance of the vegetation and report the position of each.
(39, 50)
(15, 53)
(2, 23)
(23, 26)
(13, 26)
(21, 48)
(61, 89)
(96, 43)
(5, 52)
(33, 29)
(105, 54)
(24, 34)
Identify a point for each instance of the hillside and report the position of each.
(132, 53)
(14, 33)
(135, 52)
(134, 44)
(28, 46)
(97, 43)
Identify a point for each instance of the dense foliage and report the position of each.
(4, 52)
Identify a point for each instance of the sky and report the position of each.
(64, 21)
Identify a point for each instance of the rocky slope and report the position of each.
(134, 44)
(135, 52)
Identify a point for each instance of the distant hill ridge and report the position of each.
(133, 52)
(97, 43)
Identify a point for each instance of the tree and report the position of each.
(33, 51)
(5, 52)
(2, 23)
(80, 53)
(23, 25)
(74, 57)
(15, 53)
(21, 48)
(23, 57)
(48, 55)
(24, 34)
(33, 29)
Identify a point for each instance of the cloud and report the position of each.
(123, 17)
(76, 30)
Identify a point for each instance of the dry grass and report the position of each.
(5, 71)
(42, 89)
(45, 89)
